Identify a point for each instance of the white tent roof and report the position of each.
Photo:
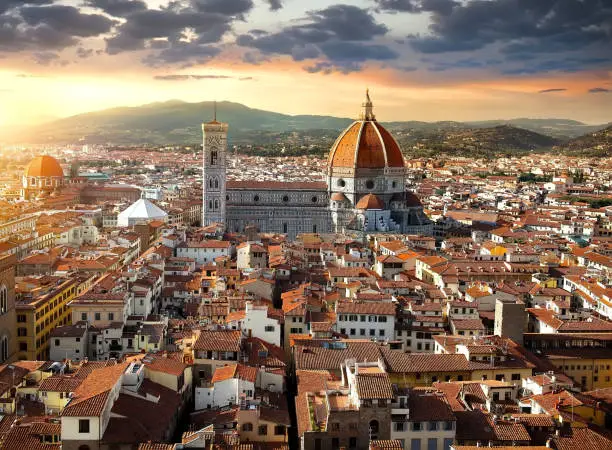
(142, 209)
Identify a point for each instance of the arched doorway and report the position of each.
(373, 429)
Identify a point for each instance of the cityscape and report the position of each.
(325, 268)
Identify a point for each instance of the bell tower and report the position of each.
(214, 171)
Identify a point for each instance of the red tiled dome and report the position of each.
(370, 201)
(44, 166)
(366, 144)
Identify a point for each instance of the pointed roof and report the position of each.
(141, 209)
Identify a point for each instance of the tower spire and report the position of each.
(367, 111)
(215, 110)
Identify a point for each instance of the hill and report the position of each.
(172, 122)
(178, 122)
(597, 143)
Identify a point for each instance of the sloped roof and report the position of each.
(141, 209)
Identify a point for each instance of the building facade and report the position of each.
(365, 190)
(8, 341)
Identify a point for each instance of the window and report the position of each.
(432, 444)
(399, 426)
(362, 318)
(285, 228)
(269, 328)
(335, 426)
(352, 442)
(23, 346)
(111, 316)
(57, 342)
(415, 444)
(3, 299)
(448, 426)
(352, 333)
(416, 426)
(256, 198)
(372, 332)
(369, 184)
(342, 330)
(22, 331)
(285, 198)
(83, 425)
(374, 429)
(97, 316)
(341, 183)
(213, 157)
(83, 316)
(433, 426)
(516, 376)
(262, 430)
(21, 317)
(381, 332)
(279, 430)
(247, 426)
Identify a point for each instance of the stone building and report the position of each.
(42, 176)
(8, 341)
(365, 190)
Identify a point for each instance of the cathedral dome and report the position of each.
(366, 144)
(370, 201)
(44, 166)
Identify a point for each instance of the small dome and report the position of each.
(366, 144)
(44, 166)
(339, 197)
(370, 201)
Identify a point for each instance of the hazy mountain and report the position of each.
(597, 143)
(180, 122)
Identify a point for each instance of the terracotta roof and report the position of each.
(238, 371)
(90, 397)
(314, 356)
(581, 438)
(44, 166)
(158, 363)
(382, 308)
(224, 341)
(370, 201)
(30, 436)
(365, 144)
(400, 362)
(60, 383)
(374, 386)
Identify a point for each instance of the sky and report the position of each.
(421, 59)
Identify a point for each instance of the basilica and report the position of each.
(365, 189)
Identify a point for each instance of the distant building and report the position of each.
(8, 341)
(141, 211)
(365, 189)
(42, 176)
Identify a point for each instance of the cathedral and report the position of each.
(365, 189)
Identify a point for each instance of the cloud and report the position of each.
(599, 90)
(416, 6)
(546, 91)
(182, 77)
(45, 58)
(84, 52)
(117, 8)
(7, 5)
(518, 29)
(48, 28)
(338, 33)
(183, 32)
(275, 5)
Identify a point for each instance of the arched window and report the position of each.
(213, 158)
(216, 183)
(3, 299)
(248, 426)
(210, 182)
(374, 429)
(210, 204)
(216, 205)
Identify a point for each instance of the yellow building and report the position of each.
(42, 305)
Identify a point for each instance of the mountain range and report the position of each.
(176, 122)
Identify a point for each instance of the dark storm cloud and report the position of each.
(67, 19)
(599, 90)
(47, 28)
(275, 5)
(519, 25)
(568, 64)
(84, 52)
(183, 30)
(415, 6)
(117, 8)
(5, 5)
(551, 90)
(339, 33)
